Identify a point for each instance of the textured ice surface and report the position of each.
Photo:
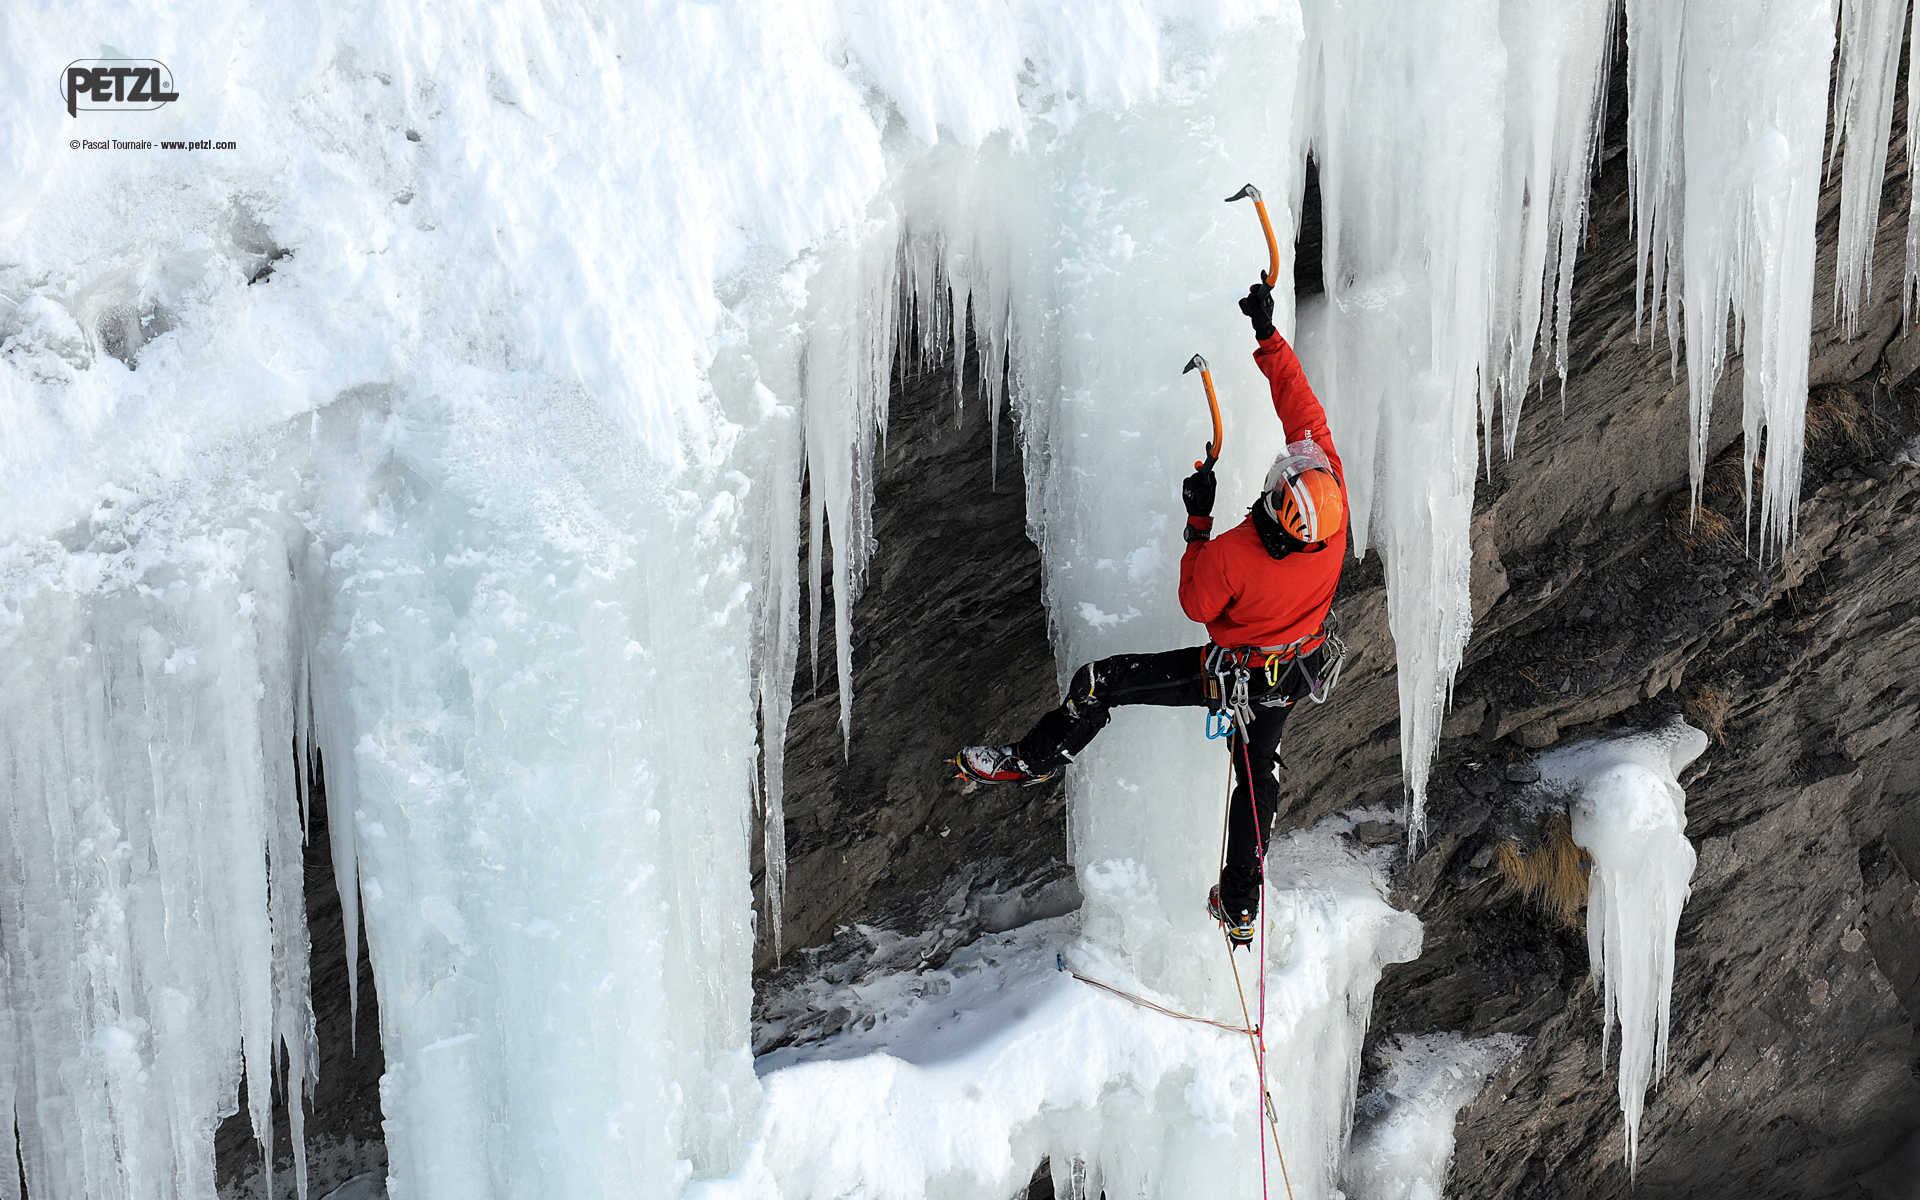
(155, 932)
(1630, 813)
(1403, 1136)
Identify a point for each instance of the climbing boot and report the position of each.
(997, 764)
(1239, 929)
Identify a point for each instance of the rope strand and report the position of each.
(1143, 1002)
(1259, 1040)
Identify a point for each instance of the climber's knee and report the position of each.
(1083, 693)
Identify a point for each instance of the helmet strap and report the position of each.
(1278, 542)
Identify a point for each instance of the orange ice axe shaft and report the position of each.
(1213, 405)
(1251, 192)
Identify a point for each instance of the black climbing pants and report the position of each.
(1180, 679)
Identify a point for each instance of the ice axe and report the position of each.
(1251, 192)
(1196, 363)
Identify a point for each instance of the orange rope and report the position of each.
(1143, 1002)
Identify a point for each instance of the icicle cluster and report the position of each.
(1727, 117)
(153, 739)
(1451, 216)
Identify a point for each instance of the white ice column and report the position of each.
(533, 654)
(1630, 813)
(1454, 146)
(1405, 122)
(1148, 264)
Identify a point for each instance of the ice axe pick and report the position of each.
(1251, 192)
(1196, 363)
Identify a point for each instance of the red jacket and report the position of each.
(1244, 596)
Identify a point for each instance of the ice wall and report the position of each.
(524, 417)
(1630, 813)
(527, 407)
(154, 925)
(459, 453)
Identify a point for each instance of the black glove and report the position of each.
(1197, 492)
(1258, 305)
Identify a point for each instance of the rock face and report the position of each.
(1601, 603)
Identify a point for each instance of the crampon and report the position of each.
(1239, 930)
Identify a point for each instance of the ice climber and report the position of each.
(1263, 589)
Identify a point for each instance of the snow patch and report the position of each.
(1403, 1133)
(957, 1080)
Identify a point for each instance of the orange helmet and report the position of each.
(1303, 495)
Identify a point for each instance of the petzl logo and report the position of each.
(116, 84)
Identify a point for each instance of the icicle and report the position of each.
(849, 365)
(1653, 163)
(333, 753)
(777, 656)
(1727, 119)
(1557, 58)
(1630, 813)
(1870, 37)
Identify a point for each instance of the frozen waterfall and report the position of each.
(449, 432)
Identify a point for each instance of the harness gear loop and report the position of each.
(1322, 689)
(1237, 701)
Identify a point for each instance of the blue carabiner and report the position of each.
(1219, 725)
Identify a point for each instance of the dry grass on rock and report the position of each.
(1552, 875)
(1709, 707)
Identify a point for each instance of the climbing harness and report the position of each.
(1231, 671)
